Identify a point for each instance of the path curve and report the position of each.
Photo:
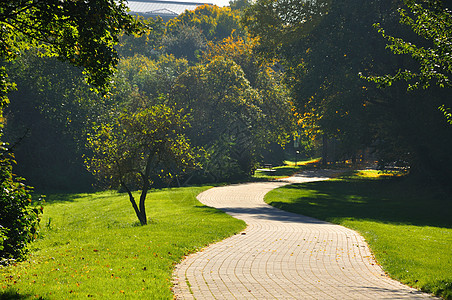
(282, 255)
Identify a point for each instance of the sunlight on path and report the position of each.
(282, 255)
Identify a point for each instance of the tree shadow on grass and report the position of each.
(388, 201)
(68, 197)
(209, 210)
(11, 293)
(60, 198)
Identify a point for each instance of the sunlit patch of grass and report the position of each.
(302, 163)
(91, 246)
(407, 225)
(288, 169)
(377, 174)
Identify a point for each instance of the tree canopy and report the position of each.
(432, 21)
(81, 32)
(139, 145)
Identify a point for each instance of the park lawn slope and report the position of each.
(92, 246)
(407, 225)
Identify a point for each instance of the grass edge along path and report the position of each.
(93, 246)
(408, 226)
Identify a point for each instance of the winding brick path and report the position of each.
(282, 255)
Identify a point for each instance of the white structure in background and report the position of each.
(165, 9)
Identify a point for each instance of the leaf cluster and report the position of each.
(19, 220)
(432, 21)
(81, 32)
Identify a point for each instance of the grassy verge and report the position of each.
(92, 246)
(287, 170)
(408, 226)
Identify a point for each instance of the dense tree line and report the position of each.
(325, 46)
(199, 62)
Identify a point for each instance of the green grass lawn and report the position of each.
(287, 170)
(408, 226)
(92, 246)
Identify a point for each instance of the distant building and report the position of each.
(165, 9)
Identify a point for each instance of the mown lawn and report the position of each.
(288, 169)
(407, 225)
(92, 246)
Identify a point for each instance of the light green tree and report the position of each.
(137, 146)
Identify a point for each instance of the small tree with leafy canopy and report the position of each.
(138, 146)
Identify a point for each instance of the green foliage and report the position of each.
(186, 35)
(278, 121)
(431, 20)
(239, 4)
(215, 23)
(223, 109)
(283, 22)
(187, 42)
(230, 118)
(148, 43)
(447, 113)
(152, 79)
(399, 125)
(94, 248)
(328, 100)
(81, 32)
(19, 221)
(139, 145)
(50, 114)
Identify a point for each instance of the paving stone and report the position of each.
(281, 255)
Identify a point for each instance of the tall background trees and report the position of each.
(54, 110)
(324, 46)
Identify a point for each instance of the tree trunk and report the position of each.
(324, 150)
(138, 212)
(145, 188)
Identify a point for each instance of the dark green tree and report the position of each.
(231, 119)
(432, 21)
(239, 4)
(148, 44)
(323, 46)
(185, 42)
(52, 109)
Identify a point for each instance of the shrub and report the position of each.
(19, 219)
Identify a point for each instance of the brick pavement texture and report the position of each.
(282, 255)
